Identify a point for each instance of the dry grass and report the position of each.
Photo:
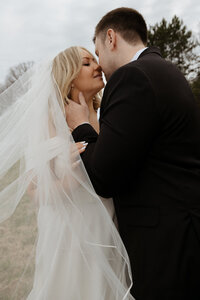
(17, 245)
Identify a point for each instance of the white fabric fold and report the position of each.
(63, 233)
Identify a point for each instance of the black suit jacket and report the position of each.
(147, 157)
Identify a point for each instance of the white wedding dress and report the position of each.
(70, 265)
(79, 254)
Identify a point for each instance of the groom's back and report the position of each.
(158, 212)
(174, 158)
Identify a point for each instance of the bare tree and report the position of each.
(2, 88)
(16, 71)
(14, 74)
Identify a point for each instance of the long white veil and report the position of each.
(57, 240)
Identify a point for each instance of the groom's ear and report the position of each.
(111, 39)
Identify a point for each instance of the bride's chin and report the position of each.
(99, 89)
(102, 86)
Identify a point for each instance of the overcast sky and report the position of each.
(36, 29)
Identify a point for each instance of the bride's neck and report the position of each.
(88, 100)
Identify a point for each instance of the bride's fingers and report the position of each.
(82, 99)
(76, 150)
(81, 146)
(76, 161)
(76, 164)
(78, 146)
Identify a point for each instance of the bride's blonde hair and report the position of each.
(66, 67)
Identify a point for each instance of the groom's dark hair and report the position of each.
(128, 22)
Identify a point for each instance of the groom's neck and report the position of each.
(126, 53)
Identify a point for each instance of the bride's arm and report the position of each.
(56, 163)
(77, 148)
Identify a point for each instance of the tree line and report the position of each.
(178, 45)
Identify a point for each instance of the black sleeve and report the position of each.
(128, 126)
(84, 132)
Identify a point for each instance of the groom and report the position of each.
(147, 157)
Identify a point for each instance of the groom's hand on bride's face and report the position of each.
(77, 114)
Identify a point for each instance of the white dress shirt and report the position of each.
(137, 54)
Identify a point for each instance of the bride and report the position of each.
(79, 254)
